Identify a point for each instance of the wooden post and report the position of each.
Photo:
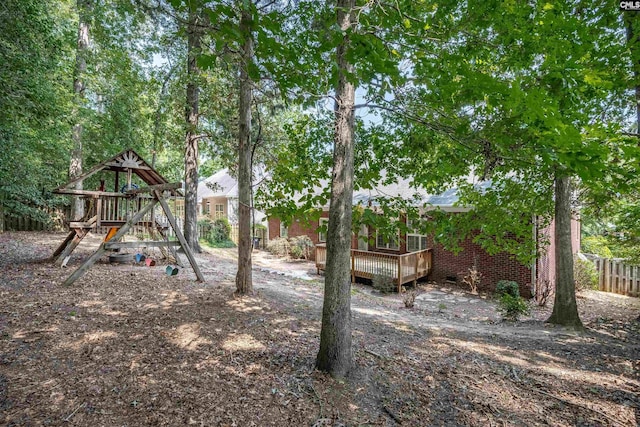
(116, 190)
(98, 211)
(400, 274)
(63, 257)
(101, 249)
(415, 270)
(353, 267)
(63, 245)
(172, 249)
(179, 235)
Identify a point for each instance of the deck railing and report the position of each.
(401, 268)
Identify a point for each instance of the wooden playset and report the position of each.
(130, 204)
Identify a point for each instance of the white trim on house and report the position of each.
(218, 213)
(420, 239)
(284, 230)
(388, 243)
(322, 236)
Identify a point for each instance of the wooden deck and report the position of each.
(403, 268)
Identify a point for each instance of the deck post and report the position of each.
(399, 275)
(353, 267)
(415, 270)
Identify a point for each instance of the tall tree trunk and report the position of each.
(633, 41)
(82, 50)
(565, 309)
(244, 280)
(2, 199)
(191, 139)
(335, 356)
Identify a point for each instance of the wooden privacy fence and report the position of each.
(22, 223)
(16, 223)
(617, 277)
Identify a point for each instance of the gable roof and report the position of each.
(121, 162)
(447, 200)
(220, 184)
(403, 188)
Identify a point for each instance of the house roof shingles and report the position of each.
(220, 184)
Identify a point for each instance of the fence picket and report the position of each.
(617, 277)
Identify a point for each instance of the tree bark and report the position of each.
(633, 41)
(335, 355)
(82, 50)
(191, 140)
(244, 280)
(565, 308)
(2, 199)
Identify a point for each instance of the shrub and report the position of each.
(544, 292)
(512, 307)
(596, 245)
(217, 233)
(383, 282)
(507, 287)
(584, 274)
(222, 244)
(279, 247)
(221, 230)
(301, 247)
(473, 279)
(409, 299)
(205, 222)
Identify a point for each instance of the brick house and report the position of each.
(443, 265)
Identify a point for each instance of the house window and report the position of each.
(383, 243)
(322, 235)
(284, 230)
(207, 208)
(219, 211)
(415, 242)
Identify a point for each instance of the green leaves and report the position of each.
(35, 101)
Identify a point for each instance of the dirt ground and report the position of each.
(127, 345)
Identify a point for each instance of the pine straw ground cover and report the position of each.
(129, 346)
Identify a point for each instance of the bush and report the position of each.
(584, 274)
(301, 247)
(223, 244)
(512, 307)
(217, 233)
(473, 279)
(383, 282)
(544, 292)
(279, 247)
(221, 230)
(507, 287)
(409, 298)
(596, 245)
